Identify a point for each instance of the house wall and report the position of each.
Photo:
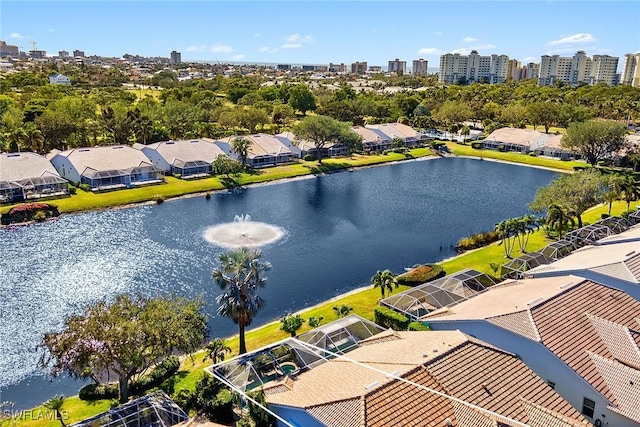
(571, 386)
(295, 416)
(65, 168)
(157, 160)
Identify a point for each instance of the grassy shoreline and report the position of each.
(363, 300)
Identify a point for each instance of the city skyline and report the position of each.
(277, 32)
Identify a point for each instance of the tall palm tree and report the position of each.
(465, 132)
(630, 190)
(216, 350)
(615, 185)
(559, 218)
(32, 138)
(506, 232)
(240, 146)
(55, 404)
(240, 276)
(385, 280)
(525, 226)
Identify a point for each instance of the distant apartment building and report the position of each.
(175, 58)
(375, 69)
(630, 70)
(398, 67)
(530, 71)
(284, 67)
(63, 54)
(38, 54)
(577, 69)
(8, 50)
(359, 67)
(78, 53)
(420, 67)
(474, 67)
(513, 69)
(337, 68)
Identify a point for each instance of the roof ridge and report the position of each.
(551, 412)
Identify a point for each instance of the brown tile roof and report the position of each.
(521, 323)
(337, 391)
(624, 382)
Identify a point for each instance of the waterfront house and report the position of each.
(373, 142)
(265, 150)
(382, 378)
(187, 158)
(551, 147)
(579, 335)
(28, 176)
(303, 147)
(409, 136)
(106, 167)
(513, 139)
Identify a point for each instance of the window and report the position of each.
(588, 407)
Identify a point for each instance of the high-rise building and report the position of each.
(577, 69)
(176, 58)
(8, 50)
(78, 53)
(63, 53)
(420, 67)
(631, 70)
(337, 68)
(38, 54)
(359, 67)
(513, 69)
(398, 67)
(473, 68)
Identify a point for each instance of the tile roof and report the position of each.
(395, 130)
(368, 135)
(521, 323)
(19, 166)
(524, 137)
(185, 150)
(262, 144)
(624, 382)
(341, 393)
(104, 158)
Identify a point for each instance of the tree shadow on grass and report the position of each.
(327, 167)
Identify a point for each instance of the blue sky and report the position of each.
(319, 32)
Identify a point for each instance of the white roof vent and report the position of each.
(372, 385)
(535, 301)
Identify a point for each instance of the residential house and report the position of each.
(513, 139)
(409, 378)
(552, 147)
(106, 167)
(187, 158)
(59, 79)
(409, 136)
(372, 141)
(265, 150)
(302, 148)
(578, 335)
(27, 176)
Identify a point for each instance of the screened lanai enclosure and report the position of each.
(588, 235)
(292, 356)
(444, 292)
(153, 410)
(193, 169)
(47, 185)
(144, 173)
(515, 268)
(559, 249)
(634, 217)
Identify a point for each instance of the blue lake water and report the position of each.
(339, 229)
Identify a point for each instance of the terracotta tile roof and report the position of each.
(624, 383)
(521, 323)
(618, 340)
(337, 392)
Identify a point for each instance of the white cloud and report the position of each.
(298, 39)
(470, 40)
(429, 51)
(461, 51)
(217, 48)
(200, 48)
(268, 49)
(437, 33)
(238, 57)
(16, 36)
(291, 46)
(560, 50)
(573, 39)
(483, 46)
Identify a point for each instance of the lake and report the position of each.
(339, 229)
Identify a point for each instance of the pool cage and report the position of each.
(634, 217)
(516, 268)
(616, 224)
(588, 235)
(559, 249)
(290, 357)
(153, 410)
(444, 292)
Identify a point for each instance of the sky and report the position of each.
(319, 32)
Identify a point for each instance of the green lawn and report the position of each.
(467, 150)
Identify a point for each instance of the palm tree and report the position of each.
(216, 350)
(342, 310)
(465, 132)
(55, 404)
(615, 185)
(559, 218)
(143, 129)
(385, 280)
(32, 138)
(240, 146)
(506, 231)
(291, 323)
(314, 322)
(630, 190)
(240, 276)
(526, 225)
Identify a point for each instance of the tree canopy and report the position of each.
(125, 337)
(595, 140)
(323, 130)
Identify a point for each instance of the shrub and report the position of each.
(308, 157)
(159, 199)
(501, 148)
(477, 240)
(157, 376)
(417, 326)
(72, 190)
(420, 275)
(579, 168)
(388, 318)
(477, 145)
(84, 187)
(35, 211)
(39, 216)
(176, 175)
(98, 392)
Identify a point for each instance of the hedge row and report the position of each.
(157, 376)
(477, 240)
(388, 318)
(417, 326)
(420, 275)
